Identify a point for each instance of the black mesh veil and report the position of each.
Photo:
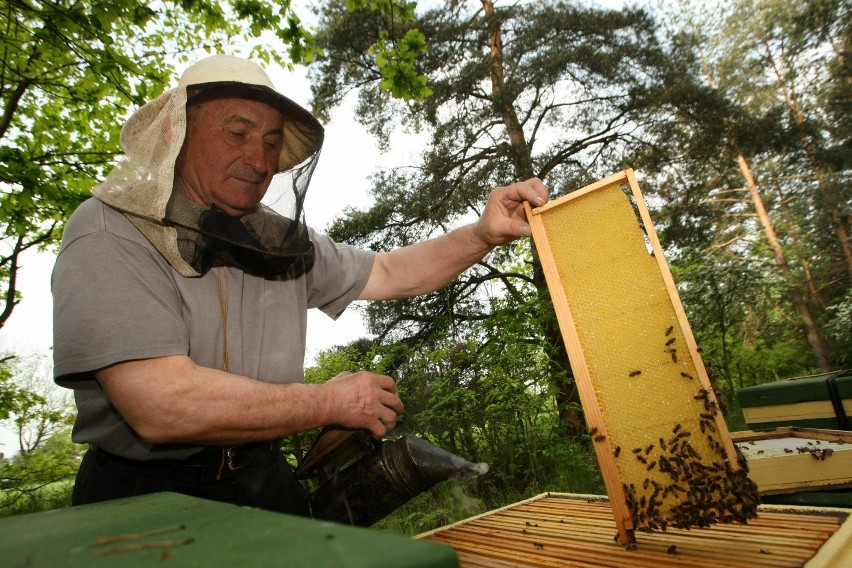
(272, 241)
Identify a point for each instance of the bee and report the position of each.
(539, 545)
(670, 341)
(686, 376)
(600, 438)
(648, 449)
(669, 330)
(651, 465)
(634, 373)
(637, 450)
(676, 428)
(672, 549)
(617, 451)
(593, 431)
(788, 451)
(641, 459)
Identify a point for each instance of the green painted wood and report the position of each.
(197, 532)
(788, 391)
(797, 390)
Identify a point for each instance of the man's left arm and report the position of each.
(429, 265)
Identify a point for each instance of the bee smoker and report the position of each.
(386, 475)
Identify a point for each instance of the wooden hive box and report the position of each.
(792, 460)
(565, 530)
(663, 447)
(818, 401)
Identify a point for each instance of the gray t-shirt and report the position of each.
(117, 299)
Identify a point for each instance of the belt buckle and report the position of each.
(229, 458)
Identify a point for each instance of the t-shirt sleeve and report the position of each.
(339, 274)
(112, 301)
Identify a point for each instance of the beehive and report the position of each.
(663, 447)
(559, 530)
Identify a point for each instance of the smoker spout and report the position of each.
(436, 464)
(385, 479)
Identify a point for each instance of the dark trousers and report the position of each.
(254, 476)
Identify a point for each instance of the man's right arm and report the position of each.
(171, 400)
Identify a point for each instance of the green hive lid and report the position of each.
(787, 391)
(185, 531)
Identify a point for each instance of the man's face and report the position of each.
(230, 153)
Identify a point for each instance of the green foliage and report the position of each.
(445, 503)
(41, 479)
(396, 56)
(395, 60)
(39, 475)
(839, 329)
(14, 400)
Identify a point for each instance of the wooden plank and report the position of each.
(812, 410)
(648, 400)
(557, 529)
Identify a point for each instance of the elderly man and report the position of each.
(180, 299)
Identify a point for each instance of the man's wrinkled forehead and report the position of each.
(240, 114)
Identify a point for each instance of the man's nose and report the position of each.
(254, 155)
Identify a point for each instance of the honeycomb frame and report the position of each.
(664, 450)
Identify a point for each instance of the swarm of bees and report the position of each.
(816, 453)
(706, 490)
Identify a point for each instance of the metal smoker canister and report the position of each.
(385, 479)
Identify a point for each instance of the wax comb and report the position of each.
(662, 444)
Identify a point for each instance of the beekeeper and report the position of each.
(180, 298)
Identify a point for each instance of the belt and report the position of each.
(218, 461)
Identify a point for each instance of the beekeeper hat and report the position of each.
(220, 76)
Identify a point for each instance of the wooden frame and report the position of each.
(795, 460)
(603, 423)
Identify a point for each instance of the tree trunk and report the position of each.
(567, 397)
(825, 186)
(801, 306)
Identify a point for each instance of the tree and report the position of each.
(34, 408)
(41, 418)
(534, 89)
(750, 82)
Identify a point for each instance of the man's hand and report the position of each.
(365, 400)
(504, 218)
